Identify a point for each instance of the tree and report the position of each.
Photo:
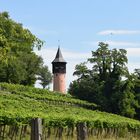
(137, 90)
(109, 62)
(103, 84)
(81, 71)
(18, 63)
(44, 76)
(32, 64)
(137, 80)
(13, 37)
(128, 102)
(110, 66)
(11, 72)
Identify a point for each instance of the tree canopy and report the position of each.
(18, 63)
(109, 83)
(45, 76)
(13, 37)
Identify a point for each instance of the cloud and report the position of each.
(116, 43)
(119, 32)
(123, 43)
(133, 65)
(135, 52)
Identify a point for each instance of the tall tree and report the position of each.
(110, 66)
(108, 83)
(44, 76)
(18, 63)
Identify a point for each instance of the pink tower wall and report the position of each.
(59, 83)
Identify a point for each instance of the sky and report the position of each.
(79, 25)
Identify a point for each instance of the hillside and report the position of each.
(19, 104)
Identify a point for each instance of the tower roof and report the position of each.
(59, 57)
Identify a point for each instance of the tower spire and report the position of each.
(59, 57)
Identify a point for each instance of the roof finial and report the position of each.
(58, 43)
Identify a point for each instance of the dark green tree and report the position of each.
(128, 102)
(108, 83)
(137, 90)
(44, 76)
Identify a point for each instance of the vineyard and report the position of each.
(62, 116)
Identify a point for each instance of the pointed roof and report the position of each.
(59, 57)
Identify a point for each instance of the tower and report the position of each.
(59, 72)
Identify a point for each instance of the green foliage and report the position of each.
(18, 63)
(81, 71)
(108, 83)
(128, 103)
(45, 95)
(44, 76)
(61, 115)
(16, 108)
(108, 62)
(31, 64)
(136, 81)
(14, 36)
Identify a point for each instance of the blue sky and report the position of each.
(80, 25)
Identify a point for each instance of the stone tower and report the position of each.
(59, 72)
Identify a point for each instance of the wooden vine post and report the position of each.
(36, 129)
(81, 131)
